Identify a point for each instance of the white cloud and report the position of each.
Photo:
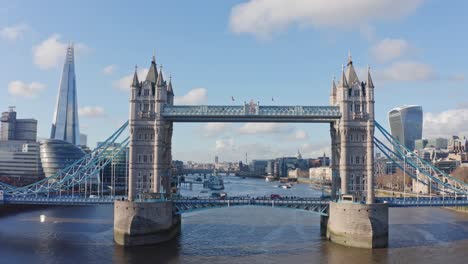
(406, 71)
(300, 135)
(91, 111)
(315, 150)
(446, 123)
(109, 70)
(457, 77)
(264, 17)
(19, 88)
(264, 128)
(13, 32)
(51, 52)
(225, 144)
(214, 129)
(125, 82)
(389, 49)
(193, 97)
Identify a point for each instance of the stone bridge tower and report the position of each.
(150, 135)
(139, 222)
(350, 222)
(352, 135)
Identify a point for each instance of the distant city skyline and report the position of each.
(218, 53)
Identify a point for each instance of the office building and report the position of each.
(65, 124)
(12, 128)
(406, 123)
(19, 162)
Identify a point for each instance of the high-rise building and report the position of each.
(19, 162)
(62, 149)
(17, 129)
(406, 123)
(83, 140)
(65, 123)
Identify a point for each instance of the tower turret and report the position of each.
(161, 89)
(333, 92)
(170, 92)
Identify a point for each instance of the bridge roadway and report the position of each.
(187, 204)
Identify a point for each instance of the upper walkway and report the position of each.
(251, 113)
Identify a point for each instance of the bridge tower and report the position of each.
(137, 222)
(351, 222)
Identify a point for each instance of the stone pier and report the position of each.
(143, 223)
(358, 225)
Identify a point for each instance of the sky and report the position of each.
(288, 50)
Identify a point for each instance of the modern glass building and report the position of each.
(115, 173)
(58, 154)
(12, 128)
(65, 123)
(19, 162)
(406, 123)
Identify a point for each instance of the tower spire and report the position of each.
(169, 86)
(153, 71)
(135, 82)
(343, 81)
(160, 80)
(370, 83)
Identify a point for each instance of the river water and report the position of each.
(230, 235)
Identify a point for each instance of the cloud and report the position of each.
(193, 97)
(389, 49)
(109, 70)
(13, 33)
(51, 52)
(21, 89)
(315, 150)
(91, 111)
(264, 128)
(125, 82)
(446, 123)
(225, 144)
(264, 17)
(407, 71)
(457, 77)
(214, 129)
(300, 135)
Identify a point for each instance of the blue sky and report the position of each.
(248, 49)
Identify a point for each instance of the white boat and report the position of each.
(285, 186)
(269, 178)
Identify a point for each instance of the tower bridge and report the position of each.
(150, 213)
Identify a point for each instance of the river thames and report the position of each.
(230, 235)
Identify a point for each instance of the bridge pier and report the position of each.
(357, 225)
(144, 223)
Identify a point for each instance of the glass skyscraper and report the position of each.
(406, 123)
(65, 123)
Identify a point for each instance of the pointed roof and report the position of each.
(370, 83)
(343, 81)
(152, 72)
(160, 80)
(135, 82)
(333, 86)
(169, 87)
(351, 72)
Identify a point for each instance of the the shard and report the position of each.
(65, 124)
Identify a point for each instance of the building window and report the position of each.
(357, 159)
(357, 108)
